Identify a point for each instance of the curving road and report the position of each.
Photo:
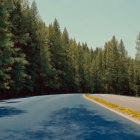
(62, 117)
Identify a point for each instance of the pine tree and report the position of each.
(70, 85)
(58, 46)
(56, 56)
(41, 59)
(123, 69)
(86, 60)
(131, 74)
(97, 71)
(137, 66)
(73, 58)
(32, 49)
(138, 47)
(46, 73)
(80, 72)
(99, 68)
(19, 38)
(111, 65)
(6, 51)
(65, 40)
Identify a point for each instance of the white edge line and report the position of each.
(115, 111)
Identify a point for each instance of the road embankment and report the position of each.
(127, 113)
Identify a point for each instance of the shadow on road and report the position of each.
(12, 102)
(10, 111)
(78, 124)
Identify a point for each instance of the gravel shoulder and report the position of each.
(124, 101)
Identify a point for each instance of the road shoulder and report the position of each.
(129, 117)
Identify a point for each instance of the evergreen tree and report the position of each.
(6, 51)
(99, 71)
(86, 67)
(123, 68)
(36, 59)
(80, 62)
(72, 56)
(32, 49)
(58, 46)
(137, 66)
(131, 74)
(138, 47)
(19, 38)
(46, 73)
(70, 84)
(112, 66)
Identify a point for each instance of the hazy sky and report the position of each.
(95, 21)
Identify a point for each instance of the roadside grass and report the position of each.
(115, 106)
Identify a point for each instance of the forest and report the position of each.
(37, 59)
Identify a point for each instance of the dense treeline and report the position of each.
(39, 59)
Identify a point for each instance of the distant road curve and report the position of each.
(62, 117)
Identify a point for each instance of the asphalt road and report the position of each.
(124, 101)
(62, 117)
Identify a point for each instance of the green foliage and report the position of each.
(19, 39)
(138, 47)
(137, 66)
(39, 59)
(6, 59)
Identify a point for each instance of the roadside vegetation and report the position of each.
(36, 58)
(115, 106)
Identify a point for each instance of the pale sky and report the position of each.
(95, 21)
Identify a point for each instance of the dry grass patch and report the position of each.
(115, 106)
